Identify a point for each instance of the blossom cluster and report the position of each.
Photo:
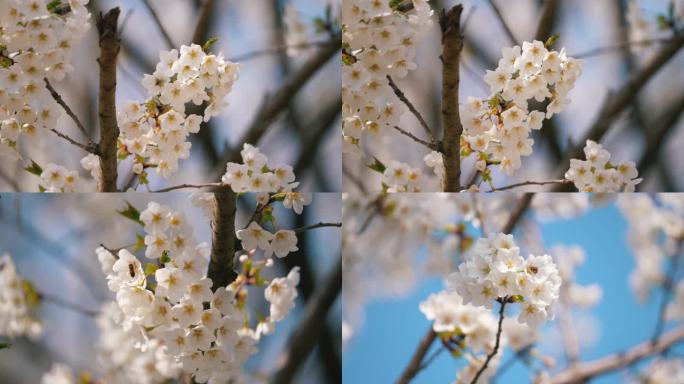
(56, 178)
(16, 318)
(205, 330)
(597, 174)
(379, 41)
(400, 177)
(36, 42)
(494, 270)
(155, 132)
(497, 129)
(656, 230)
(255, 175)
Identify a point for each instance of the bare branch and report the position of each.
(47, 298)
(668, 286)
(63, 104)
(415, 364)
(452, 44)
(85, 147)
(164, 32)
(416, 139)
(221, 270)
(525, 183)
(202, 25)
(317, 225)
(546, 20)
(400, 94)
(306, 334)
(273, 105)
(619, 47)
(584, 371)
(190, 186)
(507, 29)
(493, 353)
(110, 44)
(275, 50)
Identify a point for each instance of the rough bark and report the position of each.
(452, 44)
(110, 44)
(221, 270)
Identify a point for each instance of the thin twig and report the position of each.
(70, 112)
(493, 353)
(164, 32)
(85, 147)
(276, 49)
(190, 186)
(317, 225)
(619, 47)
(400, 94)
(668, 286)
(507, 29)
(48, 298)
(525, 183)
(416, 139)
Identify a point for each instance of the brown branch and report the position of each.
(157, 20)
(221, 270)
(620, 47)
(662, 130)
(668, 286)
(110, 44)
(546, 20)
(452, 44)
(584, 371)
(415, 364)
(317, 225)
(493, 353)
(274, 104)
(507, 29)
(48, 298)
(275, 50)
(400, 94)
(85, 147)
(525, 183)
(58, 98)
(518, 212)
(410, 135)
(617, 102)
(306, 334)
(190, 186)
(203, 24)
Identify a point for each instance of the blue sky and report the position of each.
(392, 328)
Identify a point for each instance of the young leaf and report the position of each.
(131, 213)
(34, 168)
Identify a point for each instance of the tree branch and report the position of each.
(618, 101)
(415, 364)
(410, 135)
(546, 20)
(507, 29)
(221, 270)
(525, 183)
(85, 147)
(110, 44)
(493, 353)
(167, 38)
(304, 337)
(584, 371)
(47, 298)
(191, 186)
(400, 94)
(58, 98)
(452, 44)
(317, 225)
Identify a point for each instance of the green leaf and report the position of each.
(165, 257)
(207, 46)
(34, 168)
(53, 4)
(377, 166)
(131, 213)
(663, 22)
(394, 4)
(551, 41)
(320, 25)
(5, 345)
(150, 269)
(30, 294)
(517, 298)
